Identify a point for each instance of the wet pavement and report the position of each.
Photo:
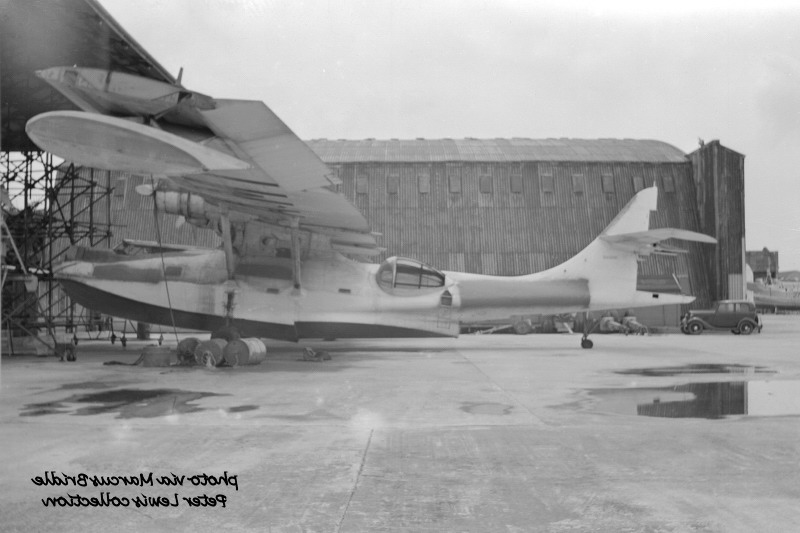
(481, 433)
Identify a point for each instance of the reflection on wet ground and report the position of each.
(697, 369)
(704, 400)
(128, 403)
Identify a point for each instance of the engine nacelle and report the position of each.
(186, 205)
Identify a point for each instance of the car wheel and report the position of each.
(746, 327)
(695, 328)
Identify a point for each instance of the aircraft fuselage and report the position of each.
(337, 297)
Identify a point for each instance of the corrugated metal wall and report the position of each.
(719, 181)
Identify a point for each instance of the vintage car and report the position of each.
(739, 316)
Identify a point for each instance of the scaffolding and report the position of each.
(48, 207)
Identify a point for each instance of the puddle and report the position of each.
(127, 403)
(703, 400)
(486, 408)
(697, 369)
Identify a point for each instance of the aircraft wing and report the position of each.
(237, 154)
(649, 241)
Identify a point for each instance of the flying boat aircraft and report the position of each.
(285, 270)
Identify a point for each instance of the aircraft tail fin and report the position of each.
(609, 263)
(635, 216)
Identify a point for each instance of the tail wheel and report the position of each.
(586, 343)
(695, 328)
(746, 327)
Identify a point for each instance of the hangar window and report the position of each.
(608, 183)
(337, 178)
(424, 182)
(578, 184)
(119, 188)
(638, 183)
(392, 184)
(485, 184)
(402, 273)
(362, 185)
(516, 183)
(669, 183)
(454, 179)
(548, 183)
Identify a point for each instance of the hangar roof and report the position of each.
(38, 34)
(496, 150)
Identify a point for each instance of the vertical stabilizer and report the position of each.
(610, 270)
(635, 216)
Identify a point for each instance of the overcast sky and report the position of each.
(355, 69)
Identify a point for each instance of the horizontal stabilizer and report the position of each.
(647, 242)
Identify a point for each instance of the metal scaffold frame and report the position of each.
(48, 206)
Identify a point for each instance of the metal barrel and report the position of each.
(209, 353)
(186, 349)
(249, 351)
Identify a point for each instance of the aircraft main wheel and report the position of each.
(746, 327)
(735, 331)
(685, 330)
(695, 328)
(586, 343)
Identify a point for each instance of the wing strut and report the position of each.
(227, 242)
(230, 263)
(296, 255)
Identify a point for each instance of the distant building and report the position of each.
(764, 264)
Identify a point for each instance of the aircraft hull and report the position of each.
(132, 309)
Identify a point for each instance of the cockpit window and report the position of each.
(401, 273)
(408, 274)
